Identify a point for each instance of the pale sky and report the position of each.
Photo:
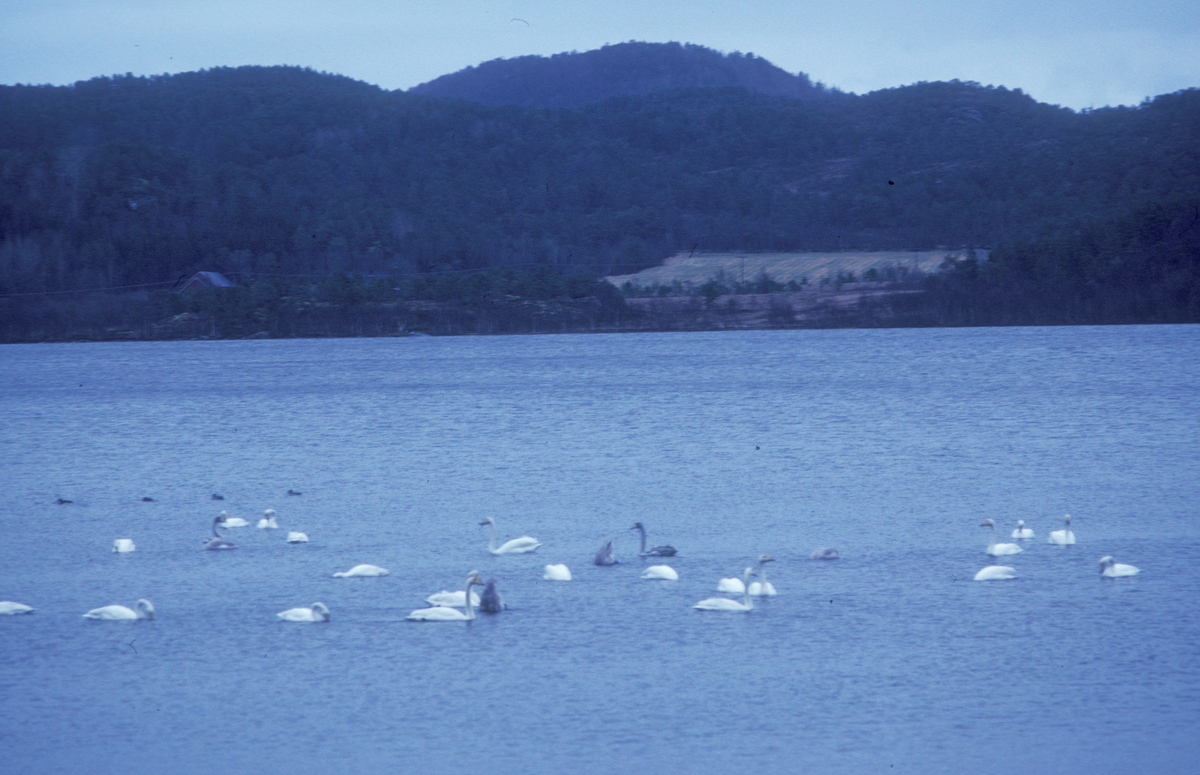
(1077, 53)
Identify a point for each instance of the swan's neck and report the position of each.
(470, 612)
(642, 531)
(491, 547)
(746, 597)
(215, 533)
(991, 537)
(762, 573)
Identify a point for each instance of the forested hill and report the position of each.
(127, 180)
(574, 79)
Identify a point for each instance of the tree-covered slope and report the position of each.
(574, 79)
(120, 181)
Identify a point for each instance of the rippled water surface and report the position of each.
(892, 446)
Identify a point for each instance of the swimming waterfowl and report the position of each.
(522, 545)
(217, 542)
(996, 572)
(657, 551)
(360, 571)
(491, 602)
(445, 613)
(605, 556)
(229, 521)
(115, 613)
(1021, 531)
(317, 612)
(1063, 537)
(1110, 568)
(762, 587)
(268, 520)
(993, 548)
(724, 603)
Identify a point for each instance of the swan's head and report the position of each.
(1020, 523)
(474, 579)
(987, 523)
(746, 574)
(269, 513)
(219, 519)
(320, 610)
(1106, 562)
(487, 521)
(637, 526)
(765, 558)
(146, 607)
(1067, 519)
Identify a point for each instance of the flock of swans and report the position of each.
(1109, 568)
(460, 605)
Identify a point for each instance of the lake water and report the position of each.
(890, 445)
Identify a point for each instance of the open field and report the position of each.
(782, 267)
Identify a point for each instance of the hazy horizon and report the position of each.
(1073, 54)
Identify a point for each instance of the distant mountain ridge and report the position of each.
(574, 79)
(257, 171)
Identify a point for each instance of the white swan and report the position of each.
(361, 570)
(657, 551)
(993, 548)
(113, 613)
(606, 557)
(296, 537)
(1110, 568)
(268, 520)
(996, 572)
(217, 542)
(123, 545)
(762, 587)
(664, 572)
(453, 599)
(521, 545)
(824, 553)
(233, 521)
(1022, 531)
(445, 613)
(1063, 537)
(724, 603)
(317, 612)
(557, 573)
(9, 607)
(731, 586)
